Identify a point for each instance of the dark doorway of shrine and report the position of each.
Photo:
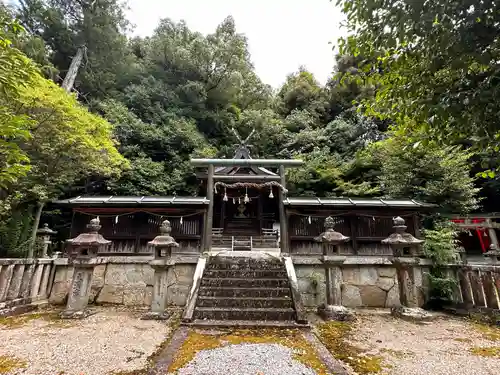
(238, 216)
(242, 218)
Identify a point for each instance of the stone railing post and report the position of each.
(45, 233)
(83, 257)
(163, 244)
(405, 250)
(330, 240)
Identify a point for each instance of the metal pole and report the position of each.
(210, 213)
(283, 221)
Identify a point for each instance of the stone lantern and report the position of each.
(401, 242)
(83, 251)
(494, 254)
(330, 239)
(162, 244)
(405, 249)
(45, 233)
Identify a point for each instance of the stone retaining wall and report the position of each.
(366, 281)
(126, 281)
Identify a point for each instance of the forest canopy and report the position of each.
(398, 117)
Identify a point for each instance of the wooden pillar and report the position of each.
(222, 214)
(260, 211)
(72, 228)
(210, 213)
(353, 225)
(493, 234)
(202, 232)
(416, 225)
(283, 219)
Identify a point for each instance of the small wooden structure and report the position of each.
(479, 232)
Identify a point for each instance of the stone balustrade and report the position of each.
(24, 283)
(365, 281)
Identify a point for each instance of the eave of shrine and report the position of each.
(345, 202)
(131, 201)
(159, 201)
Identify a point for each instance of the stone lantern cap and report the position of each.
(45, 231)
(164, 239)
(401, 237)
(330, 236)
(91, 238)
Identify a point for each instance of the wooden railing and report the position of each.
(24, 282)
(365, 232)
(130, 233)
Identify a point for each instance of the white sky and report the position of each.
(282, 34)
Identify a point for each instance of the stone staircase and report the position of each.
(245, 289)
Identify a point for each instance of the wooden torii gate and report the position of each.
(480, 223)
(211, 177)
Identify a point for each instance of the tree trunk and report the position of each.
(69, 79)
(36, 223)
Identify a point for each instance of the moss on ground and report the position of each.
(291, 338)
(487, 331)
(9, 363)
(463, 339)
(492, 351)
(52, 318)
(334, 336)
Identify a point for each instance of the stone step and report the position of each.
(254, 274)
(263, 302)
(211, 291)
(245, 324)
(216, 313)
(245, 282)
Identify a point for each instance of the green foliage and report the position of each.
(441, 286)
(45, 130)
(441, 243)
(435, 63)
(158, 153)
(15, 233)
(67, 142)
(441, 246)
(64, 25)
(176, 95)
(15, 71)
(426, 172)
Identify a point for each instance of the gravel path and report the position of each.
(442, 347)
(246, 359)
(108, 341)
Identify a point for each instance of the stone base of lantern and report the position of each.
(411, 313)
(76, 314)
(156, 315)
(336, 312)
